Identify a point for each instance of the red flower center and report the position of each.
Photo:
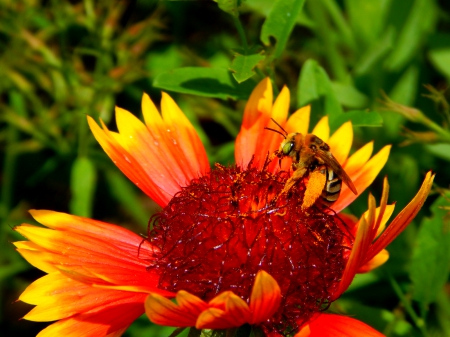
(219, 231)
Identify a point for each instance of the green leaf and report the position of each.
(403, 92)
(243, 65)
(83, 180)
(441, 60)
(375, 54)
(431, 259)
(280, 22)
(359, 118)
(123, 191)
(349, 96)
(314, 85)
(208, 82)
(441, 150)
(418, 24)
(367, 18)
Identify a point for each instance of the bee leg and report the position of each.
(298, 174)
(273, 155)
(314, 186)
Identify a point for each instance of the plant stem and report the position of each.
(419, 322)
(241, 31)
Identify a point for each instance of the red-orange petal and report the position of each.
(90, 251)
(227, 310)
(162, 311)
(256, 117)
(322, 129)
(299, 120)
(159, 157)
(403, 219)
(341, 142)
(377, 261)
(362, 175)
(360, 246)
(329, 325)
(111, 317)
(124, 160)
(265, 298)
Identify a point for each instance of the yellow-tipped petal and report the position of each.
(322, 129)
(362, 177)
(38, 259)
(259, 102)
(162, 311)
(252, 134)
(228, 311)
(376, 262)
(281, 105)
(151, 114)
(360, 247)
(341, 142)
(403, 218)
(299, 121)
(358, 159)
(265, 298)
(111, 144)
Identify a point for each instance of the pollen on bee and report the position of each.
(314, 188)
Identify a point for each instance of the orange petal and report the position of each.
(111, 318)
(38, 259)
(377, 261)
(56, 297)
(227, 311)
(270, 141)
(89, 251)
(360, 246)
(256, 117)
(155, 150)
(259, 102)
(265, 298)
(281, 105)
(322, 129)
(337, 325)
(299, 121)
(185, 137)
(358, 159)
(363, 177)
(341, 142)
(115, 235)
(162, 311)
(128, 164)
(159, 157)
(402, 219)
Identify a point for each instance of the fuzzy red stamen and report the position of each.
(219, 231)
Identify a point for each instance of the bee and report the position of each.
(310, 154)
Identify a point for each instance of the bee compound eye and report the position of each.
(287, 148)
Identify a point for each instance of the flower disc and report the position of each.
(220, 230)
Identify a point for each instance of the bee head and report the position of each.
(286, 147)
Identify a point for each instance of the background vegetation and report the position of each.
(385, 64)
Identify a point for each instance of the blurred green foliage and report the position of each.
(384, 64)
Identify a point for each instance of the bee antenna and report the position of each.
(285, 132)
(276, 132)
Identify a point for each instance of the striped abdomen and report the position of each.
(332, 188)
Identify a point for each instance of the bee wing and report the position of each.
(328, 158)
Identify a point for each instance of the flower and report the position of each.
(228, 246)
